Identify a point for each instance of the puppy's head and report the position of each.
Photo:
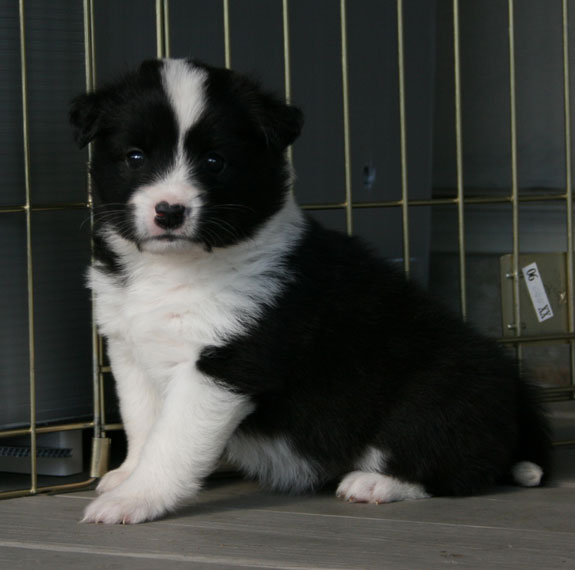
(186, 154)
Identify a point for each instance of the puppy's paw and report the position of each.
(118, 508)
(111, 480)
(361, 487)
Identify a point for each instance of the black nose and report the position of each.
(169, 216)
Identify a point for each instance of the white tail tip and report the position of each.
(527, 474)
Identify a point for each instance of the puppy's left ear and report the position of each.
(85, 114)
(281, 123)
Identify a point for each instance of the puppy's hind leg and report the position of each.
(370, 487)
(369, 484)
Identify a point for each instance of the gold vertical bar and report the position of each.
(227, 38)
(90, 73)
(29, 259)
(90, 79)
(514, 180)
(459, 163)
(102, 420)
(167, 33)
(287, 50)
(568, 188)
(159, 30)
(162, 29)
(346, 132)
(287, 62)
(100, 444)
(403, 139)
(92, 51)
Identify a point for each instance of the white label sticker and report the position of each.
(537, 292)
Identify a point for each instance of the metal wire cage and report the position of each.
(405, 205)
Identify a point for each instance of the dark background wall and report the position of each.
(126, 34)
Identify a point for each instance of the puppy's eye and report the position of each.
(214, 162)
(135, 158)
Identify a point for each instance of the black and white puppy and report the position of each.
(237, 326)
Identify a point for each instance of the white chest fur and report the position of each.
(166, 311)
(166, 307)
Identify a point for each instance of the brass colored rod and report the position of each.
(100, 386)
(435, 202)
(162, 29)
(90, 65)
(114, 427)
(459, 164)
(167, 33)
(287, 63)
(514, 181)
(46, 429)
(11, 209)
(29, 256)
(334, 206)
(65, 487)
(159, 30)
(537, 338)
(540, 198)
(89, 45)
(481, 200)
(346, 130)
(403, 139)
(546, 195)
(568, 188)
(227, 35)
(287, 50)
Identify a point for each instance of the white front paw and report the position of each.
(111, 480)
(126, 508)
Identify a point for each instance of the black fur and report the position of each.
(250, 129)
(131, 113)
(354, 354)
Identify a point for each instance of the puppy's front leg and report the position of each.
(140, 404)
(196, 420)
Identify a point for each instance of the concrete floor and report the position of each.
(236, 525)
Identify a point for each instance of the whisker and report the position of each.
(213, 207)
(114, 216)
(223, 226)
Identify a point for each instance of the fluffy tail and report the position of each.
(534, 454)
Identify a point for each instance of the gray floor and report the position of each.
(236, 525)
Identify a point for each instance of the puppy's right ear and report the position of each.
(85, 115)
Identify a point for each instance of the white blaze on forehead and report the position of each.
(184, 85)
